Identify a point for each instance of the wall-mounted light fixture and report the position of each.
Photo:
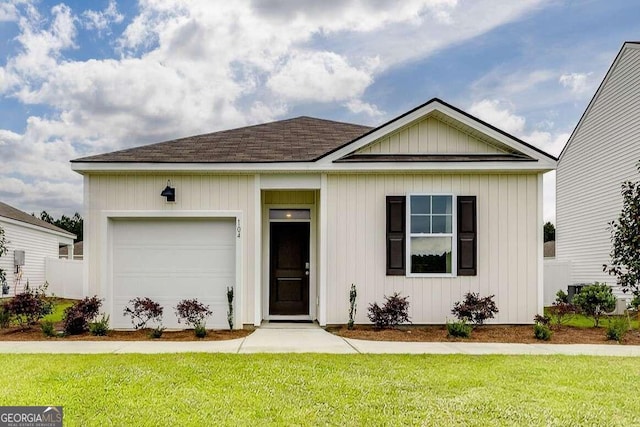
(169, 192)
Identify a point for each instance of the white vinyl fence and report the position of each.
(65, 277)
(557, 276)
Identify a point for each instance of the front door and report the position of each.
(289, 272)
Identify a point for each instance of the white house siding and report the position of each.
(602, 153)
(508, 238)
(193, 192)
(37, 245)
(430, 136)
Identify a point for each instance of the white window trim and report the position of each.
(453, 234)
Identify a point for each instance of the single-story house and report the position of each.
(30, 241)
(432, 204)
(602, 152)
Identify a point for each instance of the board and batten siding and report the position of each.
(37, 246)
(602, 153)
(508, 239)
(430, 136)
(141, 192)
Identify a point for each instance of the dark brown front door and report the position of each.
(289, 277)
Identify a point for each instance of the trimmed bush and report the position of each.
(542, 332)
(595, 300)
(5, 317)
(475, 309)
(459, 329)
(561, 309)
(200, 331)
(193, 313)
(77, 317)
(28, 307)
(156, 333)
(48, 329)
(143, 311)
(394, 312)
(617, 327)
(100, 327)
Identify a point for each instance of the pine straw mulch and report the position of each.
(35, 334)
(485, 333)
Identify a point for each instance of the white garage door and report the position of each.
(172, 259)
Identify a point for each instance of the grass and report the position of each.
(59, 307)
(582, 321)
(286, 389)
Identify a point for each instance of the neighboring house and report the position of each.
(30, 241)
(432, 204)
(601, 154)
(77, 251)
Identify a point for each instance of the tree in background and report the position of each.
(72, 225)
(549, 232)
(625, 239)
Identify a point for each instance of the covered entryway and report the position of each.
(171, 259)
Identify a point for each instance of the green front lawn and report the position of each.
(286, 389)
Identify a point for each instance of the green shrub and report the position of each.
(100, 327)
(156, 332)
(48, 328)
(459, 329)
(542, 332)
(77, 317)
(394, 312)
(353, 294)
(616, 329)
(5, 317)
(230, 307)
(475, 309)
(200, 331)
(595, 300)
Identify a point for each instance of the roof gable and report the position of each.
(629, 52)
(10, 212)
(437, 131)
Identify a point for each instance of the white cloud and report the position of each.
(492, 112)
(359, 107)
(101, 20)
(578, 83)
(319, 77)
(182, 67)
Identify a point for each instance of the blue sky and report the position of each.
(79, 77)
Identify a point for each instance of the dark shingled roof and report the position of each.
(17, 215)
(301, 139)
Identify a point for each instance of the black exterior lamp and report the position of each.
(169, 192)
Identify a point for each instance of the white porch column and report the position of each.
(322, 271)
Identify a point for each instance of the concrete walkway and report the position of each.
(307, 338)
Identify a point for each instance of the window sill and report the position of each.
(431, 275)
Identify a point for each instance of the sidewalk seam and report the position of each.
(241, 344)
(351, 345)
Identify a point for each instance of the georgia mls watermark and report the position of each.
(30, 416)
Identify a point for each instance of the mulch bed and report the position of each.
(35, 334)
(485, 333)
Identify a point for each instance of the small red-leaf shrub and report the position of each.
(77, 317)
(192, 312)
(394, 312)
(143, 311)
(475, 309)
(29, 306)
(561, 309)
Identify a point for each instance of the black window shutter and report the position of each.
(467, 236)
(396, 220)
